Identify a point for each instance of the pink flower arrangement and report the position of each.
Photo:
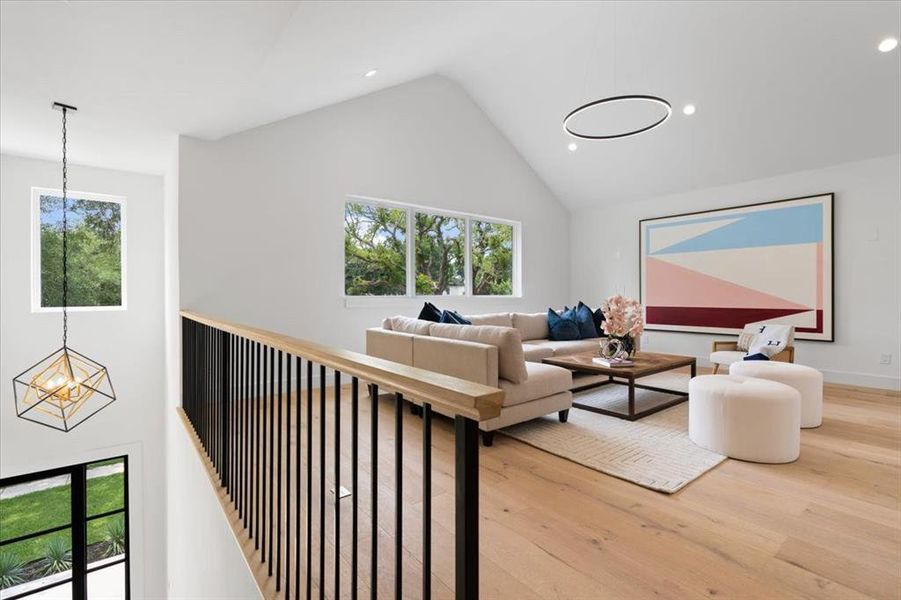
(623, 317)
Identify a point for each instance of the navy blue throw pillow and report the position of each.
(597, 316)
(430, 312)
(452, 316)
(758, 356)
(563, 328)
(585, 319)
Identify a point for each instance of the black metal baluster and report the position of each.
(467, 507)
(309, 577)
(223, 386)
(398, 494)
(374, 509)
(355, 478)
(271, 453)
(252, 506)
(242, 395)
(337, 400)
(288, 477)
(298, 498)
(321, 481)
(426, 501)
(278, 504)
(245, 503)
(263, 440)
(256, 450)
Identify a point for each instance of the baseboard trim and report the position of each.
(867, 380)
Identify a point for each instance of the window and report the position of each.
(444, 254)
(492, 259)
(64, 532)
(96, 250)
(440, 255)
(375, 242)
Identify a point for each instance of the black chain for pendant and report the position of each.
(65, 244)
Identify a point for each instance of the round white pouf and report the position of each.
(807, 380)
(745, 418)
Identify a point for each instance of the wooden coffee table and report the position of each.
(646, 363)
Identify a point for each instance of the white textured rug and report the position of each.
(653, 452)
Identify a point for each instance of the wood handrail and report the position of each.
(448, 395)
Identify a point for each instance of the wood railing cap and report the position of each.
(448, 395)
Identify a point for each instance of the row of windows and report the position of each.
(392, 250)
(389, 250)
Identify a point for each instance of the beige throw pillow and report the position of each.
(531, 326)
(407, 325)
(511, 363)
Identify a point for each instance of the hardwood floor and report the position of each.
(825, 526)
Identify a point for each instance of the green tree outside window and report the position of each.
(375, 242)
(440, 255)
(94, 252)
(492, 259)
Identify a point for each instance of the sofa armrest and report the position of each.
(724, 345)
(472, 361)
(390, 345)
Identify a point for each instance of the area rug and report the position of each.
(653, 452)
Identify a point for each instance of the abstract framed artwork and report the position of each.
(716, 271)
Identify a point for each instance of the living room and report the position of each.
(486, 299)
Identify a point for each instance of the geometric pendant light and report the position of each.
(66, 388)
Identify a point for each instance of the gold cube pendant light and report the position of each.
(63, 390)
(66, 388)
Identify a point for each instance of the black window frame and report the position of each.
(78, 523)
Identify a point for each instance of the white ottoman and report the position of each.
(744, 417)
(807, 380)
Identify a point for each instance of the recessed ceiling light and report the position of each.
(573, 146)
(888, 44)
(370, 72)
(688, 109)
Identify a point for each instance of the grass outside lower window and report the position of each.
(43, 509)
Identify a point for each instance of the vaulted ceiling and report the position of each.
(779, 86)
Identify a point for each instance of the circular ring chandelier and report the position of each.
(613, 99)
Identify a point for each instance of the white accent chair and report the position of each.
(746, 418)
(807, 380)
(724, 353)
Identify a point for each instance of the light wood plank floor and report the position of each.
(826, 526)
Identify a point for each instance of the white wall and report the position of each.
(129, 343)
(867, 308)
(205, 559)
(261, 212)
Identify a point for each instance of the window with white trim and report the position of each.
(96, 250)
(402, 250)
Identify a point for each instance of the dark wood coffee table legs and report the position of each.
(629, 381)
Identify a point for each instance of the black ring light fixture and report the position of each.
(610, 100)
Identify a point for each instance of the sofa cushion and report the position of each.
(406, 325)
(536, 351)
(531, 326)
(544, 380)
(565, 348)
(562, 326)
(511, 363)
(495, 319)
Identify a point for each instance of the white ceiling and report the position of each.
(779, 86)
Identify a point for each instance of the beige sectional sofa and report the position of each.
(503, 350)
